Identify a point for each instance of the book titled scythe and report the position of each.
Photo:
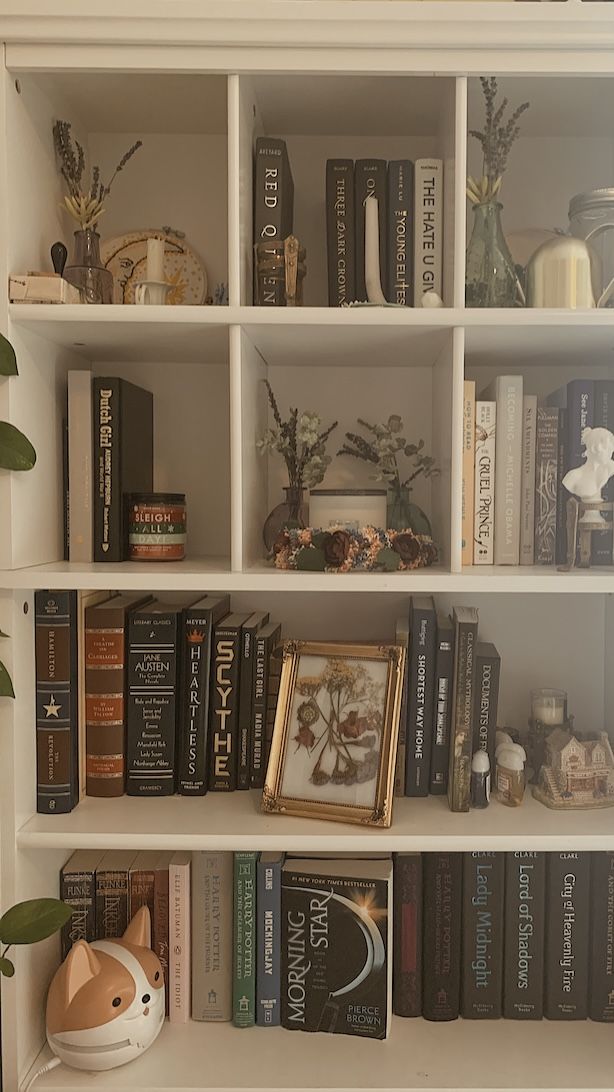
(337, 946)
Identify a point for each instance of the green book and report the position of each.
(244, 969)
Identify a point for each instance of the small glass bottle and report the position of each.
(480, 780)
(510, 780)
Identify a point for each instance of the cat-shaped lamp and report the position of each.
(106, 1002)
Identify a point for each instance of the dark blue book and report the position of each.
(603, 417)
(268, 939)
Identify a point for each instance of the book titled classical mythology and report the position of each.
(113, 893)
(336, 957)
(249, 631)
(442, 713)
(400, 246)
(566, 949)
(468, 483)
(244, 947)
(179, 944)
(484, 491)
(461, 736)
(267, 639)
(482, 946)
(224, 717)
(407, 934)
(486, 700)
(268, 939)
(420, 694)
(546, 484)
(369, 181)
(523, 960)
(506, 391)
(441, 953)
(428, 228)
(212, 936)
(273, 207)
(527, 489)
(78, 890)
(195, 642)
(340, 240)
(57, 703)
(601, 970)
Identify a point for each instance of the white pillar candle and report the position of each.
(373, 279)
(155, 259)
(549, 713)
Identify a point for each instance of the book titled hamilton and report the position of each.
(57, 703)
(407, 947)
(244, 963)
(506, 391)
(465, 621)
(212, 936)
(523, 959)
(484, 493)
(420, 699)
(78, 890)
(268, 937)
(340, 231)
(566, 949)
(249, 631)
(224, 716)
(442, 716)
(337, 946)
(267, 639)
(369, 181)
(482, 947)
(601, 973)
(441, 953)
(123, 460)
(196, 638)
(400, 248)
(428, 227)
(486, 701)
(273, 206)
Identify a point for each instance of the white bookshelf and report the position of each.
(197, 80)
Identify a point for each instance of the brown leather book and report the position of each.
(105, 688)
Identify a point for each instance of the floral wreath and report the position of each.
(340, 550)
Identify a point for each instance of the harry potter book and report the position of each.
(268, 939)
(482, 948)
(442, 712)
(113, 893)
(441, 952)
(523, 961)
(267, 639)
(244, 963)
(224, 713)
(340, 231)
(566, 950)
(337, 946)
(601, 972)
(249, 631)
(461, 739)
(407, 923)
(420, 694)
(196, 640)
(78, 890)
(57, 704)
(212, 936)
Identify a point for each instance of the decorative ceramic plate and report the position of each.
(126, 257)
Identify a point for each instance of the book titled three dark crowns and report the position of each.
(196, 638)
(340, 231)
(337, 946)
(57, 755)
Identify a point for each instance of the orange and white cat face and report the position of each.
(106, 1002)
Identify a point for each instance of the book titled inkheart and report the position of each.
(337, 946)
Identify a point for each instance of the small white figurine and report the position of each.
(431, 299)
(587, 481)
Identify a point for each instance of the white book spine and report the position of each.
(80, 541)
(428, 227)
(527, 504)
(179, 995)
(468, 471)
(507, 391)
(484, 504)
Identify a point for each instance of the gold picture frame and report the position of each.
(336, 729)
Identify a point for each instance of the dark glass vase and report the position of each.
(491, 279)
(86, 271)
(401, 513)
(292, 512)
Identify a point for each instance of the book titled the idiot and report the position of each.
(337, 946)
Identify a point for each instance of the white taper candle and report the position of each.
(155, 259)
(373, 280)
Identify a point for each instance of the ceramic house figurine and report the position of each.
(577, 773)
(106, 1001)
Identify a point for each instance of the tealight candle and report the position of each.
(549, 706)
(155, 259)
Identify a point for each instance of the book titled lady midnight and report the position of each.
(337, 946)
(482, 951)
(196, 637)
(523, 958)
(601, 973)
(567, 936)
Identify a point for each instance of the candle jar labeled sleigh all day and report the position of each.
(157, 526)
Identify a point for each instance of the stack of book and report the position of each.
(516, 453)
(151, 696)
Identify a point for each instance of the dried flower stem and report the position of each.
(84, 205)
(496, 140)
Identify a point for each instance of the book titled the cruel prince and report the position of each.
(337, 946)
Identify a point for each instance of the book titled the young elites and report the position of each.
(337, 946)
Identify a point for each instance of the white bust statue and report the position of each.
(587, 481)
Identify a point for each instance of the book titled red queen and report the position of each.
(337, 946)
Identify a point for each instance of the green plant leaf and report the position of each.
(16, 451)
(388, 560)
(8, 360)
(33, 920)
(6, 685)
(311, 560)
(6, 967)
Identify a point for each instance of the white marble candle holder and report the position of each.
(151, 292)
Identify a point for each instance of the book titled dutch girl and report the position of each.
(197, 625)
(337, 947)
(482, 952)
(461, 741)
(224, 715)
(523, 961)
(567, 936)
(420, 699)
(57, 745)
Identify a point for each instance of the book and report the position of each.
(546, 484)
(122, 460)
(484, 484)
(268, 939)
(141, 882)
(369, 181)
(78, 890)
(506, 391)
(527, 486)
(80, 478)
(275, 666)
(442, 713)
(212, 936)
(105, 689)
(224, 719)
(153, 686)
(407, 934)
(566, 948)
(340, 242)
(465, 621)
(482, 944)
(603, 417)
(267, 638)
(161, 921)
(420, 695)
(400, 244)
(179, 944)
(57, 702)
(441, 950)
(468, 483)
(401, 637)
(337, 961)
(85, 599)
(244, 962)
(113, 893)
(195, 639)
(428, 228)
(249, 632)
(601, 956)
(273, 207)
(561, 496)
(486, 700)
(576, 399)
(523, 958)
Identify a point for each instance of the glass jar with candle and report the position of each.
(549, 706)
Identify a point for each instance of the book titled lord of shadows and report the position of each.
(337, 946)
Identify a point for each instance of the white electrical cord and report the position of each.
(44, 1069)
